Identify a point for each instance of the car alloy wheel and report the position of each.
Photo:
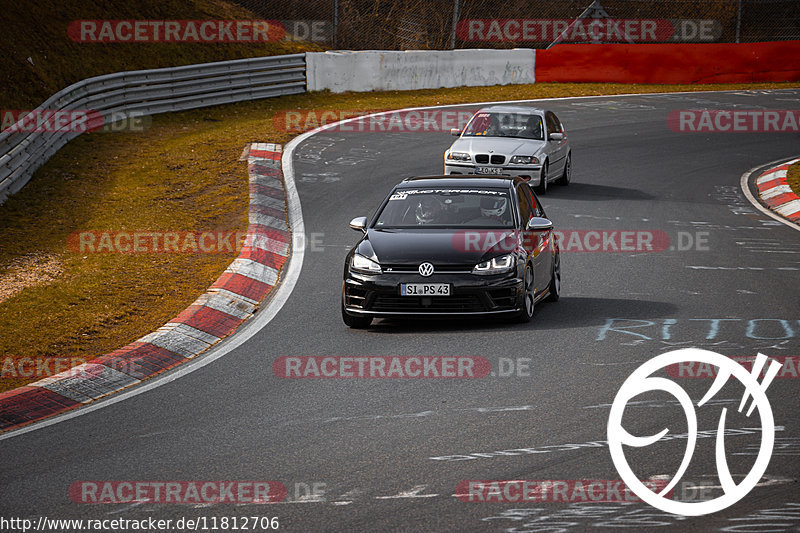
(542, 188)
(555, 282)
(529, 298)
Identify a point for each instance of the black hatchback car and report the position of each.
(452, 246)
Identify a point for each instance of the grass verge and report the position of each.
(182, 174)
(793, 178)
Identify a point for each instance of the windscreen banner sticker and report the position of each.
(402, 195)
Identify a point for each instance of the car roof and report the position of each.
(460, 180)
(522, 110)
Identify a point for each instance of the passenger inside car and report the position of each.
(494, 213)
(533, 128)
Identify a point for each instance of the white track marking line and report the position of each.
(412, 493)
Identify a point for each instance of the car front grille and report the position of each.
(495, 159)
(413, 268)
(434, 304)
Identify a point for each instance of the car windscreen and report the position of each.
(505, 125)
(447, 208)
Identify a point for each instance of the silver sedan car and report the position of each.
(512, 141)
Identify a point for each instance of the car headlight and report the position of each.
(498, 265)
(459, 156)
(524, 160)
(365, 264)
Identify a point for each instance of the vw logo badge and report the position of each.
(425, 269)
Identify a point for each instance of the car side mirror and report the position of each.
(359, 224)
(555, 136)
(455, 132)
(539, 224)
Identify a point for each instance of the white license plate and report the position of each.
(425, 289)
(488, 170)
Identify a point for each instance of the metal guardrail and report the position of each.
(146, 92)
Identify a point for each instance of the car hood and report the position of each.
(446, 248)
(500, 145)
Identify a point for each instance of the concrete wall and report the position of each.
(375, 70)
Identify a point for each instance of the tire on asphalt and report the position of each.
(355, 322)
(529, 299)
(542, 188)
(555, 282)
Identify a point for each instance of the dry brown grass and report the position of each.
(29, 271)
(793, 178)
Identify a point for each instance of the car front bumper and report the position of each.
(470, 294)
(532, 173)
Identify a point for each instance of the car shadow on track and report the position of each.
(568, 313)
(593, 192)
(578, 312)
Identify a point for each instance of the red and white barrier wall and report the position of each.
(670, 63)
(673, 63)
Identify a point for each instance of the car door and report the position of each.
(556, 149)
(542, 242)
(530, 239)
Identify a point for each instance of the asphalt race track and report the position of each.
(389, 454)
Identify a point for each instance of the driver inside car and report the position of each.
(533, 129)
(429, 211)
(494, 212)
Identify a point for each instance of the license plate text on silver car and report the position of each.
(488, 170)
(425, 289)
